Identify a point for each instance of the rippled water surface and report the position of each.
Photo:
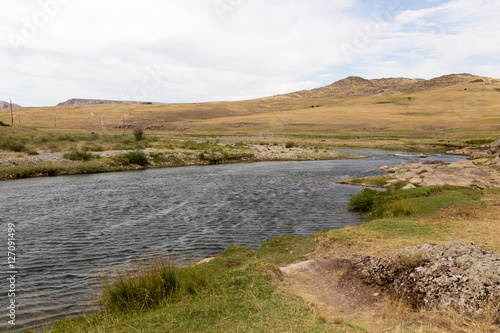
(71, 228)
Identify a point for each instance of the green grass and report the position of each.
(236, 294)
(148, 282)
(404, 228)
(412, 202)
(376, 181)
(51, 169)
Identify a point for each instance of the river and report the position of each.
(68, 229)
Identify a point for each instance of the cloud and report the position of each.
(450, 37)
(232, 49)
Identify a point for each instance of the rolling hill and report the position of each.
(352, 104)
(6, 105)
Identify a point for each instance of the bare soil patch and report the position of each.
(334, 287)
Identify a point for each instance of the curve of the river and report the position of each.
(68, 229)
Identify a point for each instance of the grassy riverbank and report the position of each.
(39, 154)
(26, 153)
(242, 290)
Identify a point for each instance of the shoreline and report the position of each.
(21, 165)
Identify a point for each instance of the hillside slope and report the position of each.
(354, 103)
(6, 105)
(354, 86)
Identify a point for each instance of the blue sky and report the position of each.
(208, 50)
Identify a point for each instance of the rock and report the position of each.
(456, 275)
(482, 173)
(408, 186)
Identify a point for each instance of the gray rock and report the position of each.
(456, 275)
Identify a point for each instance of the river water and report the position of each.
(68, 229)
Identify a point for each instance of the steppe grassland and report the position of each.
(456, 112)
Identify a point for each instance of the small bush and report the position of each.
(137, 157)
(14, 145)
(138, 134)
(364, 201)
(93, 148)
(93, 136)
(290, 144)
(158, 158)
(79, 155)
(31, 152)
(4, 124)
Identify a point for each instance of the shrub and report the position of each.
(14, 145)
(4, 124)
(93, 136)
(31, 152)
(364, 201)
(138, 134)
(79, 155)
(137, 157)
(158, 158)
(290, 144)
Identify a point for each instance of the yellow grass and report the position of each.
(450, 112)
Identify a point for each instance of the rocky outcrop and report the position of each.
(491, 149)
(482, 173)
(456, 275)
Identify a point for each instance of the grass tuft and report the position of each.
(147, 283)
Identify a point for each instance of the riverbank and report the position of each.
(478, 173)
(26, 153)
(23, 165)
(252, 290)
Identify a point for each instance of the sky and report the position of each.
(178, 51)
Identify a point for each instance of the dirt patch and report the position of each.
(333, 286)
(339, 288)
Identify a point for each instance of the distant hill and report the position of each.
(354, 86)
(82, 101)
(6, 105)
(350, 87)
(353, 103)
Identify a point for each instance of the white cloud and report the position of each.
(247, 49)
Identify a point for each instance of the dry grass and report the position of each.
(397, 316)
(449, 114)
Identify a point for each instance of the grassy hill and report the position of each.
(451, 106)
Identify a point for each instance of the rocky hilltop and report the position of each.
(83, 101)
(6, 105)
(354, 86)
